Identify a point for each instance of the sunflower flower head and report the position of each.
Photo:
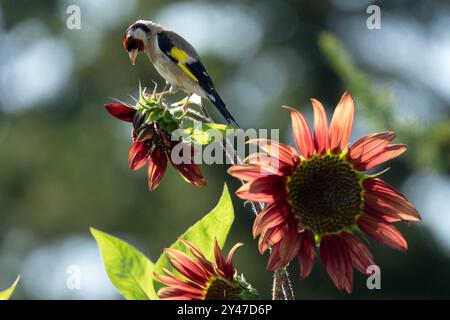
(200, 279)
(322, 196)
(153, 123)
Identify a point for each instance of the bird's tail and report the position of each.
(218, 102)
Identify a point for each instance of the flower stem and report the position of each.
(287, 287)
(277, 287)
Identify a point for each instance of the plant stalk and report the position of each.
(287, 286)
(277, 287)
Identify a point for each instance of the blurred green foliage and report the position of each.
(377, 106)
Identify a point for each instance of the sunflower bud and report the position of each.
(153, 124)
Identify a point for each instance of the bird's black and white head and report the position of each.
(138, 36)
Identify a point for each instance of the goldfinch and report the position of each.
(175, 60)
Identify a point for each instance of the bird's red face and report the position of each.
(133, 46)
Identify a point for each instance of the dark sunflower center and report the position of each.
(325, 194)
(221, 290)
(157, 142)
(158, 139)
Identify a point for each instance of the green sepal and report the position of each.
(207, 133)
(247, 291)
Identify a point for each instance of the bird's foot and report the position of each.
(185, 106)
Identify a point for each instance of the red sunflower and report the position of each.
(322, 195)
(152, 126)
(201, 279)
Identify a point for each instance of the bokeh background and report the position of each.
(63, 159)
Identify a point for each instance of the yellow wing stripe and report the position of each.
(182, 57)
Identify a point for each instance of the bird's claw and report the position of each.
(185, 106)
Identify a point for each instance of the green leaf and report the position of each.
(130, 271)
(207, 133)
(5, 295)
(215, 225)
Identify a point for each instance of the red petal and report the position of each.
(269, 237)
(272, 216)
(274, 258)
(188, 288)
(249, 172)
(218, 256)
(337, 262)
(390, 152)
(385, 215)
(156, 167)
(302, 133)
(278, 151)
(266, 189)
(342, 123)
(121, 112)
(173, 281)
(207, 265)
(360, 255)
(382, 231)
(229, 268)
(169, 293)
(383, 198)
(369, 146)
(191, 173)
(289, 245)
(384, 205)
(269, 164)
(307, 254)
(138, 155)
(320, 127)
(187, 266)
(194, 250)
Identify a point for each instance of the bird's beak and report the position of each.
(133, 55)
